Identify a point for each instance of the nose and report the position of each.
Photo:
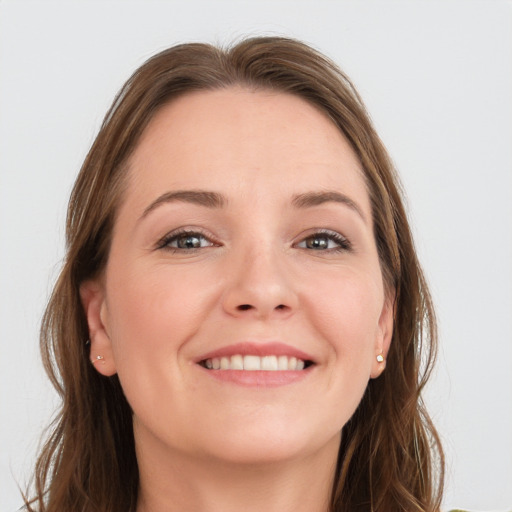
(260, 286)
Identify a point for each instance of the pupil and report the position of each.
(317, 243)
(189, 242)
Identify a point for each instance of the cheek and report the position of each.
(346, 313)
(346, 309)
(153, 312)
(152, 315)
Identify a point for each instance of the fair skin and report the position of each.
(245, 230)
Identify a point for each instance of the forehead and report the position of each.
(246, 141)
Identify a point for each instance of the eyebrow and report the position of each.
(210, 199)
(199, 197)
(310, 199)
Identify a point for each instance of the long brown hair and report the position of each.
(390, 457)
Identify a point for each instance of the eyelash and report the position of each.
(343, 244)
(165, 242)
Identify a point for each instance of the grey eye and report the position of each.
(325, 241)
(317, 242)
(185, 241)
(189, 241)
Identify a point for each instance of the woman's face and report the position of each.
(244, 240)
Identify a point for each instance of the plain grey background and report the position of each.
(437, 79)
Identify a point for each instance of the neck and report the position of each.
(177, 482)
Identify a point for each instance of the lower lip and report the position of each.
(258, 378)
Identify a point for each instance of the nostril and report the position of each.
(247, 307)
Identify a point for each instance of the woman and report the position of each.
(241, 318)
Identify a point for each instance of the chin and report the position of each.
(272, 443)
(259, 454)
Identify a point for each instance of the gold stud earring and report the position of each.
(98, 358)
(380, 358)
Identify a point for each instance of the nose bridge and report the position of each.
(259, 282)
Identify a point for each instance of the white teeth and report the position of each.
(237, 363)
(282, 362)
(252, 363)
(269, 363)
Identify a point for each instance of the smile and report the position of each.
(271, 363)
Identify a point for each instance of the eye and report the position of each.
(325, 241)
(184, 240)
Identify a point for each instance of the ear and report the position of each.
(92, 294)
(384, 334)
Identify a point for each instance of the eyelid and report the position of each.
(163, 243)
(343, 243)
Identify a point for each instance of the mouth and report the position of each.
(252, 362)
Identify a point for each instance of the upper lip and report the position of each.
(247, 348)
